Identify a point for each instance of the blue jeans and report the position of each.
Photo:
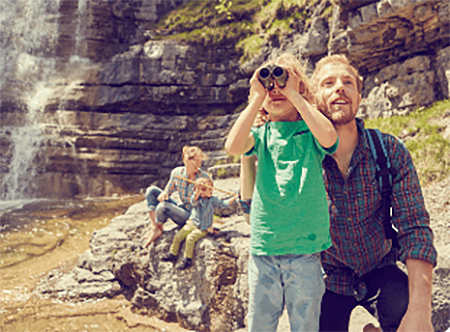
(292, 280)
(166, 209)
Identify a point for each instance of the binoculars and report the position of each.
(268, 75)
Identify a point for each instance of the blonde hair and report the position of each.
(190, 151)
(289, 61)
(335, 59)
(204, 181)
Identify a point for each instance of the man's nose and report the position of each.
(339, 87)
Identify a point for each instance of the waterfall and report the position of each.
(29, 30)
(78, 54)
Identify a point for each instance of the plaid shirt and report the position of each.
(203, 210)
(184, 188)
(359, 242)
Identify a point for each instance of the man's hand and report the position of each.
(417, 318)
(163, 197)
(418, 314)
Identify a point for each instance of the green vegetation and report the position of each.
(423, 136)
(246, 24)
(222, 173)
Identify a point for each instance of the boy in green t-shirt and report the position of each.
(289, 211)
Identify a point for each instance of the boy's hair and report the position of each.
(289, 61)
(335, 59)
(190, 151)
(204, 181)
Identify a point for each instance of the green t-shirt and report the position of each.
(289, 211)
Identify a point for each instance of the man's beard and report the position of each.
(338, 117)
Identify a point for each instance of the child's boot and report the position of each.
(169, 257)
(185, 264)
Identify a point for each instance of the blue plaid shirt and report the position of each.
(184, 188)
(203, 210)
(357, 234)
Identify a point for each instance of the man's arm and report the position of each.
(415, 237)
(418, 314)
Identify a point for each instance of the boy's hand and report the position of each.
(256, 86)
(292, 85)
(261, 118)
(163, 197)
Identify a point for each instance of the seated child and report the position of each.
(200, 222)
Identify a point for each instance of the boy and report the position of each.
(289, 212)
(200, 222)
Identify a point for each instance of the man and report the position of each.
(361, 266)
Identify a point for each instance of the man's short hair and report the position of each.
(335, 59)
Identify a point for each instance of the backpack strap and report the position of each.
(384, 174)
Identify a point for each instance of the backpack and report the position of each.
(384, 174)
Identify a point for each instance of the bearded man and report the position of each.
(361, 265)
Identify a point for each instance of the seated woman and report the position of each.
(161, 206)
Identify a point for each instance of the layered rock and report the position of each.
(400, 47)
(99, 107)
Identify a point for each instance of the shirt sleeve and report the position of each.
(332, 149)
(171, 185)
(256, 132)
(218, 203)
(410, 216)
(195, 203)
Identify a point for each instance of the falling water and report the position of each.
(28, 32)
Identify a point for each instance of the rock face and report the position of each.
(92, 105)
(210, 296)
(213, 294)
(401, 49)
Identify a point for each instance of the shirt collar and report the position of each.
(361, 149)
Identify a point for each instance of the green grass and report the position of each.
(241, 24)
(423, 135)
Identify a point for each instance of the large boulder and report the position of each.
(210, 296)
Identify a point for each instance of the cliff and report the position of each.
(99, 97)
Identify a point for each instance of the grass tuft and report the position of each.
(423, 133)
